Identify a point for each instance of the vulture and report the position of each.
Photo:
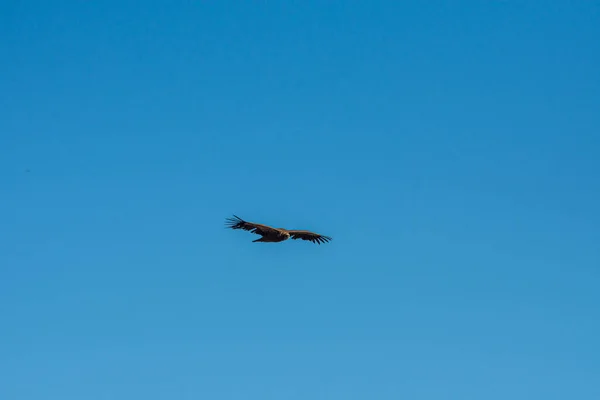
(270, 234)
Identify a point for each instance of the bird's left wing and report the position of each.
(310, 236)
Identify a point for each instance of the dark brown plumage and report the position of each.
(270, 234)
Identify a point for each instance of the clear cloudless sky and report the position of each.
(450, 148)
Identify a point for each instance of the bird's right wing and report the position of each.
(259, 229)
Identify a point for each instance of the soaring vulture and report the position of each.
(269, 234)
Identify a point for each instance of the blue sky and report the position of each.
(451, 149)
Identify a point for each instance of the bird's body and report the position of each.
(280, 236)
(274, 235)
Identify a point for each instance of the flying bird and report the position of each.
(270, 234)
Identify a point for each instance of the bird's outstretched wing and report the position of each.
(310, 236)
(259, 229)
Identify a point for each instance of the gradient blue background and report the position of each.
(451, 149)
